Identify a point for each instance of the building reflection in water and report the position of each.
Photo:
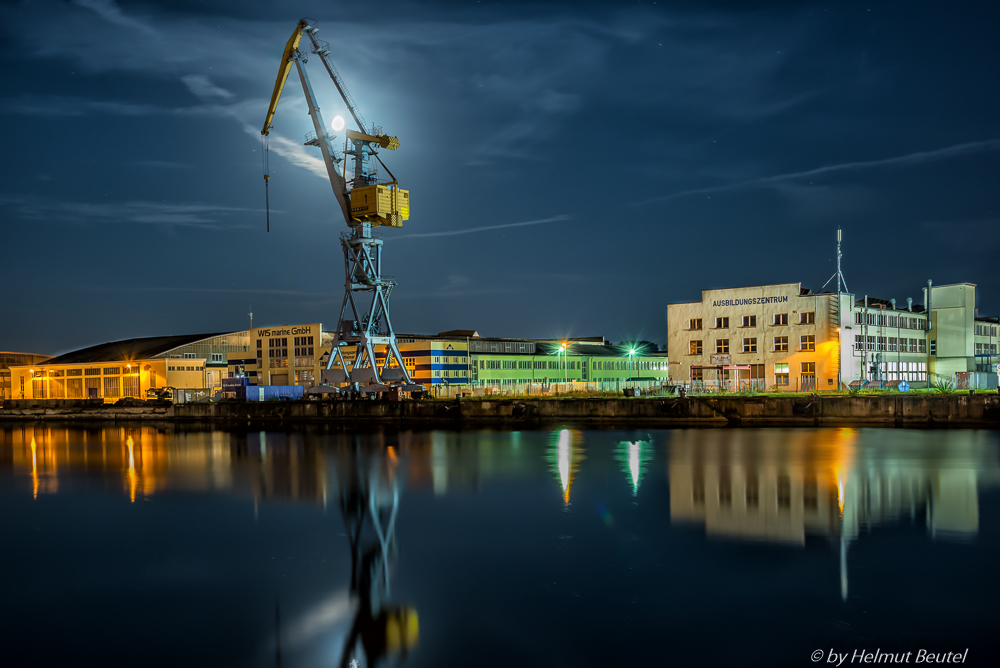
(780, 486)
(294, 466)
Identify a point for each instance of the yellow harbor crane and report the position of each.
(362, 198)
(366, 203)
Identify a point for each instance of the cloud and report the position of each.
(450, 233)
(205, 216)
(235, 291)
(202, 87)
(112, 14)
(908, 160)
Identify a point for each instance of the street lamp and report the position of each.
(631, 354)
(562, 349)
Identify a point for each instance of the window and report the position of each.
(922, 345)
(807, 343)
(722, 345)
(695, 323)
(749, 345)
(781, 344)
(808, 369)
(189, 356)
(780, 318)
(216, 357)
(913, 345)
(933, 347)
(781, 373)
(722, 323)
(892, 344)
(749, 321)
(696, 374)
(881, 343)
(807, 318)
(695, 348)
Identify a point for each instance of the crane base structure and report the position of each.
(364, 316)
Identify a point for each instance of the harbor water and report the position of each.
(147, 546)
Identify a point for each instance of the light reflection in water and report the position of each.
(565, 454)
(634, 456)
(34, 469)
(131, 468)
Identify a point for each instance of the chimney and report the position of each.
(909, 304)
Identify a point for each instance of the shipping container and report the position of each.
(268, 392)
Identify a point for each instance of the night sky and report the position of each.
(573, 167)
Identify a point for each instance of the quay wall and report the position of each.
(884, 410)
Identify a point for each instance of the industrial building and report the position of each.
(299, 354)
(784, 337)
(129, 368)
(7, 359)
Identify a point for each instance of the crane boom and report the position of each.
(291, 48)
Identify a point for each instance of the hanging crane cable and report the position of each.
(267, 178)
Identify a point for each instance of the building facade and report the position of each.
(773, 336)
(783, 337)
(8, 359)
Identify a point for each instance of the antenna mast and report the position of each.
(841, 281)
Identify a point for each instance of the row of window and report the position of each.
(889, 344)
(777, 319)
(448, 359)
(807, 343)
(183, 368)
(986, 330)
(881, 320)
(986, 349)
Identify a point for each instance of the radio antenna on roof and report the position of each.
(841, 281)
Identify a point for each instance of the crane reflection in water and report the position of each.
(374, 630)
(369, 505)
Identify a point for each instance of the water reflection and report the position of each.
(782, 486)
(565, 455)
(369, 504)
(634, 457)
(318, 577)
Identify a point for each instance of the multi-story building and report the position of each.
(785, 337)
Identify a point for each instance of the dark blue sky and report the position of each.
(670, 147)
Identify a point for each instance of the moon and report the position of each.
(337, 123)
